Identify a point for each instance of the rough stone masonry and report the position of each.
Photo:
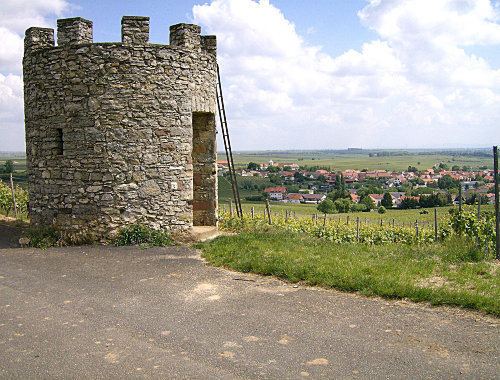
(120, 132)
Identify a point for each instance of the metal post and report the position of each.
(435, 224)
(497, 211)
(252, 212)
(14, 203)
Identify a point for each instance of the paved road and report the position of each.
(93, 312)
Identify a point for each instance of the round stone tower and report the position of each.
(120, 132)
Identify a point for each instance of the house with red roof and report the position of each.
(276, 193)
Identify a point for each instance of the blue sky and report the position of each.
(333, 24)
(312, 74)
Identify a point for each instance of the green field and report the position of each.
(362, 160)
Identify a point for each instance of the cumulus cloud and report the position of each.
(15, 17)
(414, 86)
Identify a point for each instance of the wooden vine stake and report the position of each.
(14, 203)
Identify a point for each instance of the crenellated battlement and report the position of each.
(76, 31)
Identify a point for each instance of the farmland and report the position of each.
(359, 161)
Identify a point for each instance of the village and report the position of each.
(365, 189)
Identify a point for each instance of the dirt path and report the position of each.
(162, 313)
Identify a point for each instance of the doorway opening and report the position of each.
(204, 170)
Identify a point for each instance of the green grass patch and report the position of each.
(451, 273)
(138, 234)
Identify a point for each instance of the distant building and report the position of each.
(276, 193)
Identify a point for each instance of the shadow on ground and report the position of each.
(10, 232)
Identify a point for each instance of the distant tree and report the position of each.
(342, 205)
(408, 203)
(455, 168)
(253, 166)
(387, 200)
(327, 207)
(447, 182)
(412, 169)
(466, 168)
(368, 202)
(434, 200)
(287, 168)
(275, 178)
(299, 177)
(273, 169)
(443, 166)
(358, 207)
(382, 210)
(8, 166)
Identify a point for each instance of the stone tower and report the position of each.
(120, 132)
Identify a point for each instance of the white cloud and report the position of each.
(414, 86)
(15, 17)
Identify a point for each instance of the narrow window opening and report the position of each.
(59, 142)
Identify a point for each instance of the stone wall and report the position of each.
(109, 127)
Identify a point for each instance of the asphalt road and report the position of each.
(94, 312)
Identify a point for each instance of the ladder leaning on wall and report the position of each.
(227, 146)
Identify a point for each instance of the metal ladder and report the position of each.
(227, 146)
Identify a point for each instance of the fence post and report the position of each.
(479, 207)
(497, 211)
(268, 212)
(381, 222)
(286, 216)
(252, 212)
(416, 228)
(357, 229)
(435, 224)
(347, 221)
(231, 212)
(13, 195)
(460, 197)
(393, 221)
(324, 220)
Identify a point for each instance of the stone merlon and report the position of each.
(135, 30)
(74, 31)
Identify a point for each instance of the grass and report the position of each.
(451, 273)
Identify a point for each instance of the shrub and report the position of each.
(357, 207)
(382, 210)
(327, 207)
(254, 198)
(139, 234)
(43, 237)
